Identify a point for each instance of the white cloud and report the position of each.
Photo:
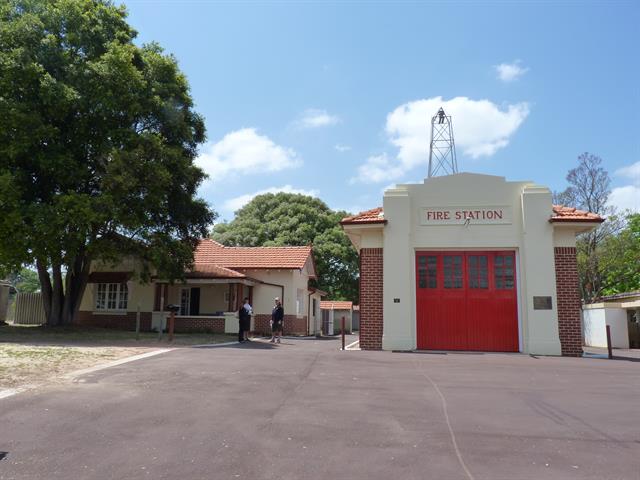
(480, 129)
(237, 203)
(342, 148)
(508, 72)
(627, 197)
(632, 172)
(314, 118)
(378, 168)
(245, 152)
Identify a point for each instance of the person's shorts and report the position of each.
(276, 327)
(245, 324)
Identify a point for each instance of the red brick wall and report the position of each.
(371, 299)
(197, 324)
(128, 322)
(119, 322)
(569, 304)
(292, 325)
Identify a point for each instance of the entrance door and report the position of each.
(466, 301)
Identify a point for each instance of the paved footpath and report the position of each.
(304, 410)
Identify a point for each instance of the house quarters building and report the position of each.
(211, 293)
(470, 262)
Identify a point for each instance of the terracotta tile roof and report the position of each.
(286, 258)
(570, 214)
(374, 215)
(210, 270)
(335, 305)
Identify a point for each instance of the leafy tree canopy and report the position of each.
(620, 259)
(25, 281)
(294, 219)
(97, 142)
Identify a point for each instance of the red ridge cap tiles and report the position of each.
(570, 214)
(209, 270)
(375, 215)
(335, 305)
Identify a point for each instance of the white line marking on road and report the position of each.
(348, 347)
(446, 417)
(115, 363)
(9, 391)
(225, 344)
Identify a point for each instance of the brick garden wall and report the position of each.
(196, 324)
(292, 324)
(118, 322)
(128, 322)
(569, 304)
(371, 298)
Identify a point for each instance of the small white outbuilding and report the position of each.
(621, 312)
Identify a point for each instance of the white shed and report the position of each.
(621, 312)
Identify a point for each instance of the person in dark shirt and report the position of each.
(277, 319)
(244, 317)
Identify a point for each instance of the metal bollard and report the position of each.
(609, 348)
(172, 320)
(138, 323)
(342, 328)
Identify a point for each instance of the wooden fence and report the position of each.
(29, 309)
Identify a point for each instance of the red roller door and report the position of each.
(466, 301)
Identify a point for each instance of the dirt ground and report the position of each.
(31, 356)
(27, 365)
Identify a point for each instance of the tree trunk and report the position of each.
(52, 292)
(76, 283)
(45, 287)
(57, 296)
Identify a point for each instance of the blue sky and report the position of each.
(333, 98)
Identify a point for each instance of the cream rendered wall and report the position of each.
(211, 296)
(404, 235)
(399, 326)
(315, 322)
(139, 293)
(540, 327)
(263, 295)
(372, 237)
(593, 326)
(564, 236)
(595, 317)
(616, 318)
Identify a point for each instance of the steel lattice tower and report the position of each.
(442, 151)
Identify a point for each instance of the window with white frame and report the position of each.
(112, 296)
(185, 301)
(299, 301)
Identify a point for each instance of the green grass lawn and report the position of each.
(72, 335)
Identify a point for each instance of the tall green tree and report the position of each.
(294, 219)
(620, 258)
(97, 144)
(589, 189)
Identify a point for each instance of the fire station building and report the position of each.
(470, 262)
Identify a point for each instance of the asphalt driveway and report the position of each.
(304, 409)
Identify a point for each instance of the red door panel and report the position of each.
(466, 301)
